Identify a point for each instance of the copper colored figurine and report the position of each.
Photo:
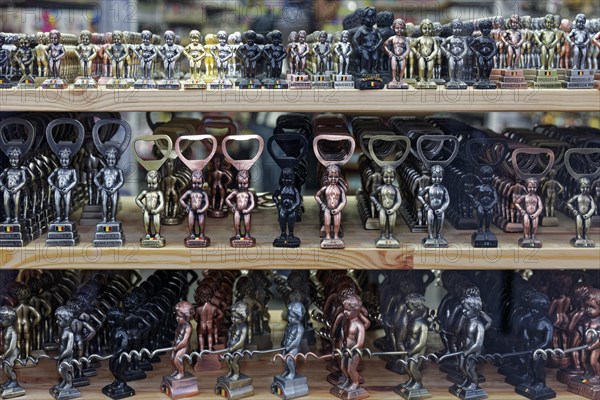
(551, 189)
(8, 320)
(219, 178)
(332, 206)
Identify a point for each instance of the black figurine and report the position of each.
(119, 338)
(367, 41)
(275, 53)
(485, 50)
(249, 53)
(287, 200)
(485, 198)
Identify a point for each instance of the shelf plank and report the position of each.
(360, 252)
(346, 101)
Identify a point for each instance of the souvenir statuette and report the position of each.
(551, 189)
(55, 52)
(397, 49)
(582, 205)
(11, 353)
(547, 39)
(87, 53)
(222, 54)
(62, 231)
(513, 40)
(180, 383)
(195, 53)
(321, 51)
(170, 53)
(195, 200)
(530, 205)
(241, 201)
(455, 48)
(332, 206)
(65, 389)
(343, 50)
(109, 231)
(485, 50)
(119, 336)
(580, 76)
(13, 232)
(290, 384)
(386, 197)
(24, 57)
(146, 53)
(249, 53)
(209, 314)
(219, 178)
(116, 53)
(435, 197)
(275, 53)
(152, 200)
(287, 197)
(235, 385)
(5, 82)
(367, 41)
(425, 49)
(299, 50)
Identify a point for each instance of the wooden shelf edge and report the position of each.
(348, 101)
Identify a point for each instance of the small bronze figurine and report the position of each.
(219, 178)
(55, 52)
(180, 383)
(332, 206)
(65, 389)
(87, 53)
(249, 53)
(513, 40)
(195, 53)
(146, 53)
(11, 353)
(425, 49)
(290, 384)
(398, 53)
(485, 50)
(119, 388)
(550, 191)
(170, 53)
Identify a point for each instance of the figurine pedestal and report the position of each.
(5, 83)
(109, 234)
(64, 394)
(332, 244)
(233, 390)
(118, 392)
(62, 234)
(321, 82)
(194, 84)
(412, 394)
(513, 227)
(546, 79)
(369, 82)
(467, 394)
(85, 83)
(346, 394)
(299, 82)
(289, 388)
(152, 242)
(196, 242)
(242, 242)
(54, 83)
(564, 375)
(289, 242)
(271, 83)
(484, 85)
(582, 242)
(581, 387)
(217, 213)
(456, 85)
(12, 392)
(90, 215)
(179, 388)
(484, 240)
(26, 82)
(221, 84)
(397, 85)
(80, 381)
(533, 393)
(509, 78)
(144, 84)
(387, 243)
(118, 84)
(13, 235)
(168, 84)
(549, 221)
(579, 79)
(435, 243)
(209, 362)
(343, 81)
(250, 84)
(530, 243)
(425, 84)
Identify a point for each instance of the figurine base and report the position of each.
(144, 84)
(369, 82)
(271, 83)
(397, 85)
(392, 243)
(582, 242)
(516, 378)
(332, 244)
(242, 242)
(426, 85)
(457, 378)
(54, 83)
(64, 394)
(89, 372)
(556, 362)
(134, 375)
(287, 242)
(5, 83)
(395, 366)
(299, 82)
(118, 84)
(26, 82)
(467, 394)
(578, 85)
(13, 235)
(90, 215)
(116, 393)
(171, 220)
(109, 234)
(208, 362)
(168, 84)
(456, 85)
(581, 387)
(81, 381)
(345, 394)
(485, 85)
(152, 242)
(194, 84)
(179, 388)
(533, 393)
(412, 394)
(343, 81)
(565, 375)
(221, 84)
(233, 390)
(513, 227)
(484, 240)
(530, 243)
(12, 392)
(250, 84)
(411, 221)
(196, 242)
(290, 388)
(62, 234)
(549, 221)
(217, 213)
(435, 242)
(85, 83)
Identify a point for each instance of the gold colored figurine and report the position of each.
(547, 39)
(195, 53)
(425, 49)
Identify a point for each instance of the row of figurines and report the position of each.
(523, 365)
(362, 52)
(105, 182)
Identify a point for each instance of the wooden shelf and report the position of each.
(360, 252)
(347, 101)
